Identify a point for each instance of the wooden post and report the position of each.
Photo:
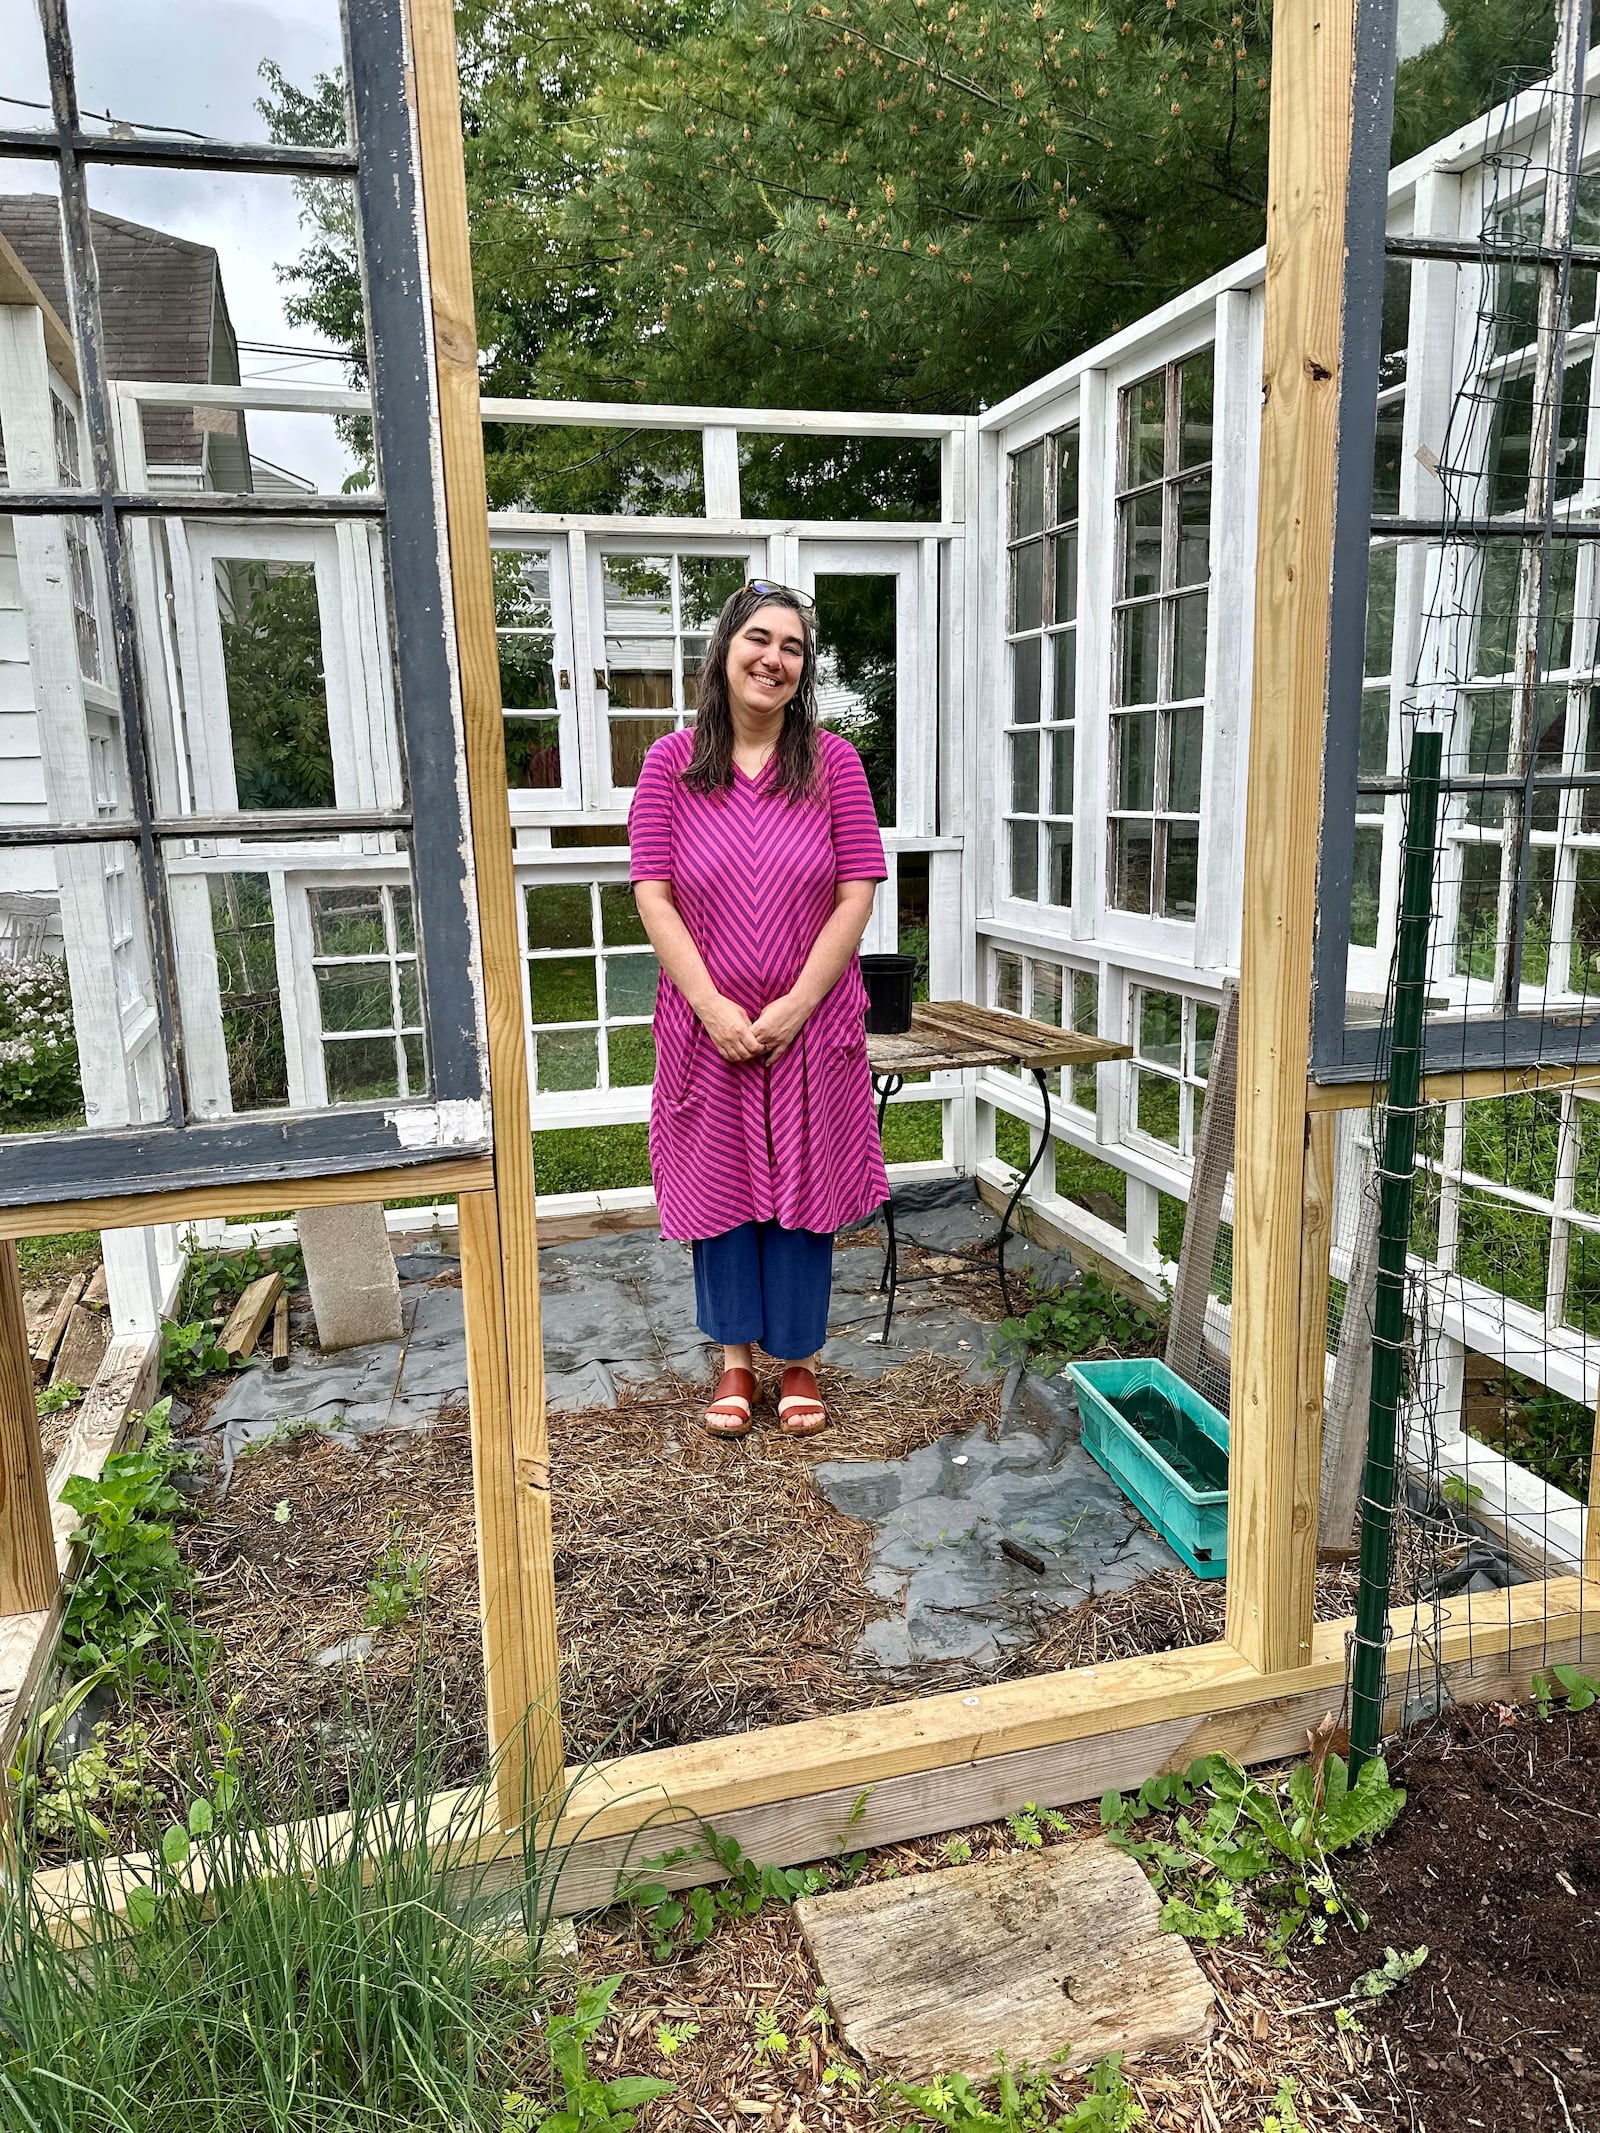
(1269, 1553)
(28, 1576)
(1591, 1520)
(499, 1241)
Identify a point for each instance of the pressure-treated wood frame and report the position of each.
(937, 1762)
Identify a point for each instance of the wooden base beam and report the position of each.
(203, 1203)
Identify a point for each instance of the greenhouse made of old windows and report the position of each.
(335, 902)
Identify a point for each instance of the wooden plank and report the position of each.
(94, 1295)
(250, 1314)
(603, 1834)
(512, 1428)
(280, 1333)
(83, 1347)
(1056, 1955)
(1030, 1044)
(1308, 159)
(1468, 1087)
(46, 1338)
(27, 1557)
(198, 1203)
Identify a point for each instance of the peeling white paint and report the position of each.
(456, 1123)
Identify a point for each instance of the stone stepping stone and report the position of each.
(1058, 1951)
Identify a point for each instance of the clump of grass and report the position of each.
(353, 1989)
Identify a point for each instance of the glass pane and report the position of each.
(706, 583)
(1063, 749)
(1160, 1028)
(1086, 1003)
(355, 996)
(1194, 529)
(1066, 447)
(562, 989)
(1372, 752)
(1396, 329)
(1476, 915)
(1064, 661)
(858, 638)
(1185, 730)
(1145, 412)
(1181, 882)
(1498, 603)
(361, 1069)
(1024, 840)
(413, 1057)
(1488, 744)
(560, 915)
(639, 673)
(637, 591)
(631, 739)
(244, 935)
(527, 673)
(1025, 773)
(1026, 661)
(201, 69)
(1589, 800)
(1044, 997)
(1387, 443)
(631, 984)
(1136, 760)
(522, 590)
(631, 1053)
(1382, 564)
(1131, 846)
(1195, 394)
(1027, 491)
(1027, 586)
(1189, 645)
(1538, 915)
(1008, 981)
(533, 754)
(1156, 1108)
(1584, 973)
(1058, 850)
(1065, 605)
(348, 921)
(271, 627)
(1364, 888)
(223, 450)
(1141, 649)
(566, 1059)
(1549, 750)
(1511, 439)
(1141, 543)
(620, 923)
(1205, 1040)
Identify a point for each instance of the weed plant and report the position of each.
(359, 1987)
(1066, 1324)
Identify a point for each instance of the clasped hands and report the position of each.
(769, 1036)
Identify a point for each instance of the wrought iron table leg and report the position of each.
(1022, 1186)
(888, 1085)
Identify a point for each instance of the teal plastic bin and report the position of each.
(1166, 1448)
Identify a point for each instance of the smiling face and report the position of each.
(765, 661)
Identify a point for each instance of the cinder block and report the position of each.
(355, 1291)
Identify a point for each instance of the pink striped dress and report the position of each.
(794, 1140)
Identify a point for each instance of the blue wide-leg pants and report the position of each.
(760, 1282)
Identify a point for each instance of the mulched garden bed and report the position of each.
(1494, 1867)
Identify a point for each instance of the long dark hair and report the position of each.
(710, 766)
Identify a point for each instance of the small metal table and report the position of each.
(950, 1034)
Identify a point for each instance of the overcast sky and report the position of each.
(193, 63)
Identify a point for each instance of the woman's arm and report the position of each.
(725, 1021)
(780, 1022)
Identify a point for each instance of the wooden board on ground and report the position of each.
(250, 1314)
(47, 1312)
(83, 1347)
(280, 1333)
(1060, 1951)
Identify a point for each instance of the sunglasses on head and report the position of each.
(784, 592)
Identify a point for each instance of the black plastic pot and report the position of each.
(888, 979)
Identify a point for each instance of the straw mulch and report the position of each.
(1270, 2029)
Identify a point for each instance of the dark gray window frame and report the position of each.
(1452, 1043)
(382, 161)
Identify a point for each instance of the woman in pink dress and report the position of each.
(756, 856)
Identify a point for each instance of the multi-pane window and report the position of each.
(658, 615)
(1058, 993)
(85, 608)
(1159, 680)
(1173, 1037)
(591, 987)
(369, 992)
(1042, 619)
(525, 627)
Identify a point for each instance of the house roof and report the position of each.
(163, 314)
